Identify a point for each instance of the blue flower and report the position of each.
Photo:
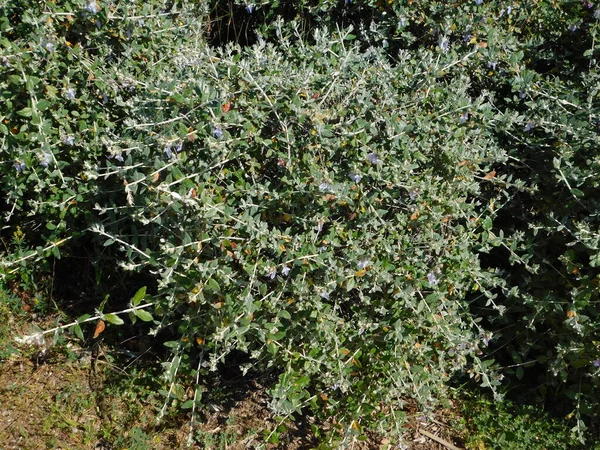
(20, 166)
(363, 263)
(325, 295)
(529, 126)
(272, 273)
(168, 151)
(355, 177)
(286, 270)
(70, 94)
(464, 117)
(509, 10)
(46, 160)
(92, 7)
(413, 194)
(373, 158)
(597, 14)
(69, 140)
(49, 46)
(597, 363)
(324, 186)
(432, 279)
(478, 2)
(250, 8)
(217, 132)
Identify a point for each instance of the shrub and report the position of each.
(325, 205)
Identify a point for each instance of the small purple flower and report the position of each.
(355, 177)
(92, 7)
(104, 98)
(46, 160)
(464, 117)
(285, 271)
(70, 94)
(522, 95)
(324, 186)
(597, 14)
(412, 194)
(363, 263)
(325, 295)
(322, 248)
(492, 65)
(573, 28)
(478, 2)
(467, 37)
(508, 10)
(529, 126)
(168, 151)
(597, 362)
(486, 338)
(272, 273)
(250, 8)
(179, 147)
(402, 22)
(373, 158)
(217, 132)
(69, 140)
(49, 46)
(432, 279)
(20, 166)
(119, 157)
(385, 43)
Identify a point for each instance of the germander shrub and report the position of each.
(320, 204)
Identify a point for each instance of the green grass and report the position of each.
(507, 425)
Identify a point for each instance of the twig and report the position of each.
(437, 439)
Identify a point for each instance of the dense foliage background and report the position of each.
(369, 200)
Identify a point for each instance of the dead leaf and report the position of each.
(100, 327)
(490, 175)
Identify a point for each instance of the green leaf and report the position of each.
(143, 315)
(83, 318)
(78, 332)
(43, 105)
(187, 405)
(25, 112)
(114, 319)
(213, 285)
(520, 372)
(139, 296)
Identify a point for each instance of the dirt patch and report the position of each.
(71, 401)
